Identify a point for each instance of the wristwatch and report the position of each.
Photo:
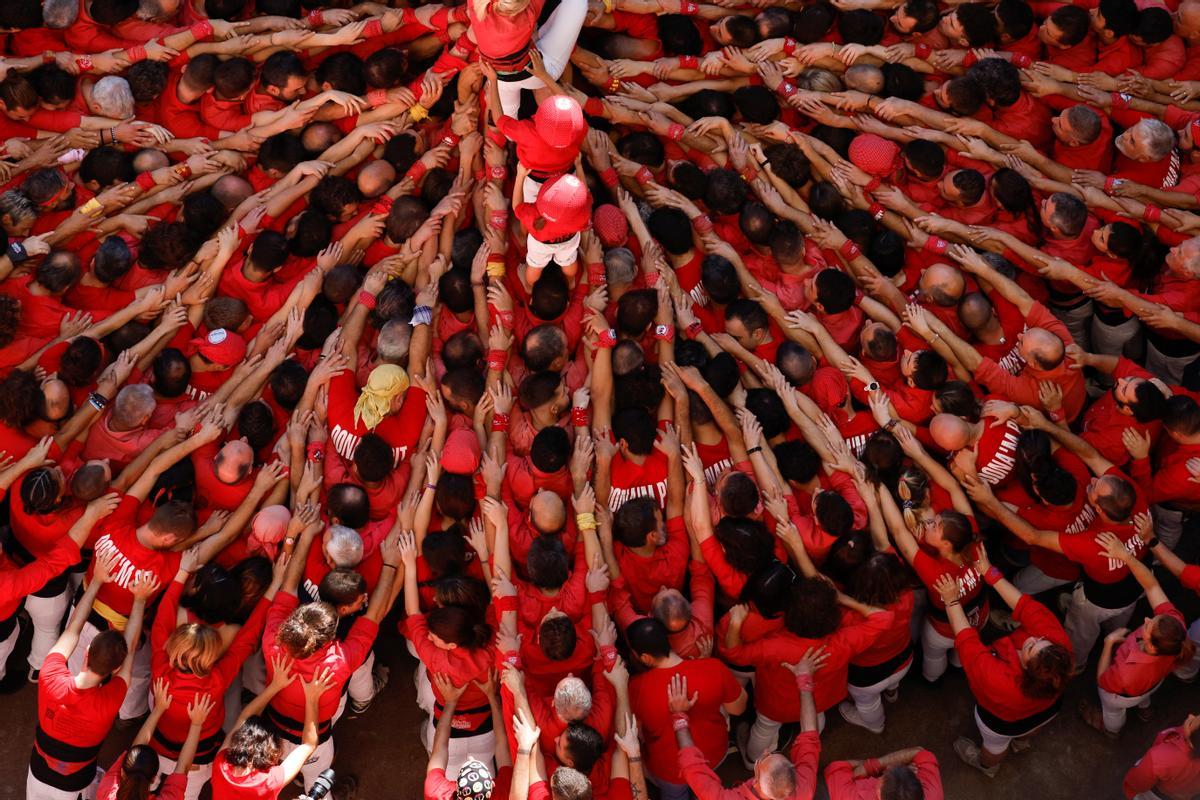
(873, 386)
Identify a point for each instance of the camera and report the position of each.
(320, 786)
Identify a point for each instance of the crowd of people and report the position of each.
(668, 375)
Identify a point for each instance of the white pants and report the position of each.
(764, 735)
(1085, 621)
(1168, 525)
(869, 699)
(937, 652)
(197, 776)
(555, 40)
(36, 790)
(46, 613)
(6, 648)
(362, 683)
(1188, 671)
(539, 254)
(1115, 340)
(318, 762)
(137, 697)
(1114, 706)
(480, 747)
(1078, 321)
(997, 743)
(1031, 580)
(1169, 368)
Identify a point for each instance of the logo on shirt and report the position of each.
(123, 575)
(619, 497)
(716, 471)
(345, 443)
(1001, 464)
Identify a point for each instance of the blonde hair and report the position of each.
(505, 8)
(818, 80)
(194, 648)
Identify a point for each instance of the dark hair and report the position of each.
(106, 653)
(835, 290)
(978, 24)
(1015, 18)
(455, 495)
(106, 166)
(999, 79)
(756, 103)
(1047, 673)
(635, 520)
(769, 589)
(797, 461)
(457, 625)
(373, 458)
(137, 772)
(636, 427)
(747, 544)
(281, 152)
(726, 191)
(679, 35)
(965, 95)
(212, 595)
(925, 158)
(1141, 248)
(768, 409)
(147, 80)
(385, 68)
(233, 77)
(739, 495)
(789, 163)
(348, 502)
(813, 611)
(557, 637)
(878, 581)
(647, 636)
(54, 84)
(671, 228)
(720, 280)
(1073, 22)
(254, 745)
(860, 26)
(1120, 16)
(344, 72)
(551, 449)
(642, 147)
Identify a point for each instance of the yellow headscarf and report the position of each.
(386, 381)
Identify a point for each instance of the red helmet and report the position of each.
(560, 122)
(565, 200)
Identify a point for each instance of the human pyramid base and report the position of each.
(665, 374)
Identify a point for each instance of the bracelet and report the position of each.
(892, 423)
(422, 315)
(634, 759)
(585, 521)
(664, 333)
(499, 422)
(1152, 543)
(418, 112)
(496, 267)
(98, 401)
(756, 449)
(953, 603)
(393, 566)
(431, 487)
(579, 417)
(992, 576)
(367, 300)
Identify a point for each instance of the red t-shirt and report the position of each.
(630, 480)
(974, 601)
(79, 717)
(118, 534)
(401, 430)
(715, 685)
(666, 567)
(534, 152)
(253, 786)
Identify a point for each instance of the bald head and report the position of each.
(1187, 20)
(547, 512)
(376, 178)
(975, 310)
(231, 191)
(320, 136)
(950, 432)
(149, 160)
(1042, 348)
(672, 609)
(776, 777)
(58, 400)
(234, 461)
(943, 284)
(864, 78)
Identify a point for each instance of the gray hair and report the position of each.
(394, 338)
(60, 14)
(1159, 137)
(343, 546)
(112, 97)
(620, 266)
(133, 405)
(572, 700)
(17, 206)
(150, 10)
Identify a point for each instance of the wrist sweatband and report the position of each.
(689, 62)
(504, 319)
(688, 8)
(679, 720)
(418, 112)
(789, 45)
(17, 253)
(92, 207)
(594, 107)
(498, 219)
(495, 267)
(614, 85)
(804, 682)
(499, 422)
(183, 171)
(373, 28)
(377, 97)
(1120, 101)
(579, 417)
(505, 603)
(992, 576)
(703, 223)
(97, 401)
(607, 339)
(84, 64)
(496, 359)
(652, 279)
(1111, 183)
(585, 521)
(498, 173)
(314, 452)
(383, 205)
(873, 767)
(609, 177)
(136, 53)
(922, 51)
(422, 315)
(643, 176)
(694, 329)
(145, 180)
(316, 18)
(876, 211)
(451, 138)
(935, 245)
(849, 250)
(664, 333)
(675, 132)
(201, 30)
(1021, 61)
(749, 174)
(366, 299)
(787, 88)
(416, 171)
(48, 57)
(1152, 213)
(597, 275)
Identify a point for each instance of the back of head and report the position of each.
(308, 629)
(106, 653)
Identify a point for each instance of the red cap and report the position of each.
(874, 155)
(461, 454)
(611, 225)
(828, 388)
(559, 121)
(565, 201)
(221, 347)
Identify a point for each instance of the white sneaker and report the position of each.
(849, 712)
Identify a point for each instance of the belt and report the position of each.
(542, 176)
(561, 240)
(291, 729)
(206, 749)
(64, 766)
(512, 67)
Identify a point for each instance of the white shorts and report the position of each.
(540, 254)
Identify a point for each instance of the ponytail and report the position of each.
(139, 768)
